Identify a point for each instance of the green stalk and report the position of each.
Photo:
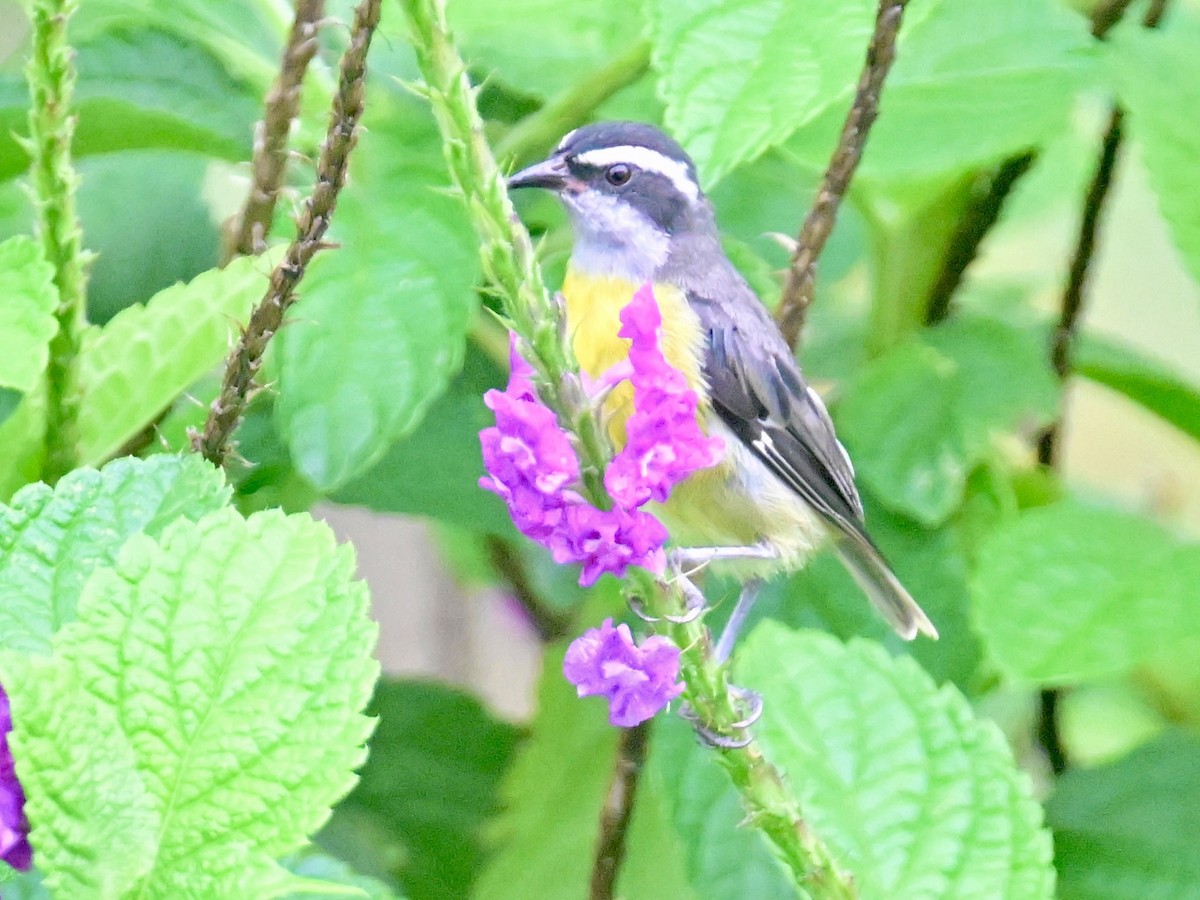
(512, 269)
(51, 77)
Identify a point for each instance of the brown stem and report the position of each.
(618, 809)
(506, 560)
(818, 224)
(983, 210)
(265, 321)
(248, 231)
(1063, 339)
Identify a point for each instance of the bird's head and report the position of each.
(629, 190)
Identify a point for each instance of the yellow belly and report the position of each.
(737, 502)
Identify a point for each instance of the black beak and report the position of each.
(550, 174)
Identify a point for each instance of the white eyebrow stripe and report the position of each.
(647, 159)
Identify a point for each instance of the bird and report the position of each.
(786, 485)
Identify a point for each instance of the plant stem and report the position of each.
(510, 266)
(509, 263)
(618, 809)
(51, 77)
(1062, 342)
(550, 623)
(248, 231)
(800, 286)
(570, 109)
(983, 211)
(246, 358)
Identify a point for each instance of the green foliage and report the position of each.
(234, 729)
(52, 540)
(429, 783)
(921, 417)
(382, 328)
(1129, 828)
(916, 796)
(1070, 592)
(1156, 79)
(129, 379)
(27, 301)
(720, 860)
(552, 798)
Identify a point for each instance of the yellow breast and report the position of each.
(738, 502)
(594, 307)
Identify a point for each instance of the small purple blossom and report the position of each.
(637, 681)
(609, 540)
(14, 827)
(664, 441)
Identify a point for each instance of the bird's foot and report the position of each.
(749, 705)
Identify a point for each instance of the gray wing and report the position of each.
(757, 390)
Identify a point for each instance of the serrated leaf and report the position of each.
(740, 77)
(1068, 592)
(919, 418)
(136, 365)
(429, 783)
(235, 655)
(383, 323)
(543, 841)
(972, 83)
(722, 858)
(915, 796)
(1130, 828)
(27, 301)
(93, 825)
(142, 88)
(52, 539)
(1143, 380)
(1158, 79)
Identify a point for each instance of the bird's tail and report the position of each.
(883, 588)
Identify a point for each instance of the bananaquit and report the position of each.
(785, 484)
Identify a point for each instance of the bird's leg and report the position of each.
(737, 619)
(693, 557)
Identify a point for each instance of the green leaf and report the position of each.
(142, 88)
(235, 655)
(972, 83)
(552, 796)
(93, 823)
(917, 797)
(722, 859)
(435, 470)
(1130, 828)
(1158, 79)
(1067, 592)
(740, 77)
(1143, 380)
(27, 301)
(140, 361)
(919, 418)
(384, 319)
(571, 40)
(429, 783)
(51, 540)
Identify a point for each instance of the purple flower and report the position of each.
(609, 540)
(14, 827)
(664, 441)
(638, 681)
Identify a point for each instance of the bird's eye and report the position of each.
(617, 174)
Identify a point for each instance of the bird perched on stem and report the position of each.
(785, 484)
